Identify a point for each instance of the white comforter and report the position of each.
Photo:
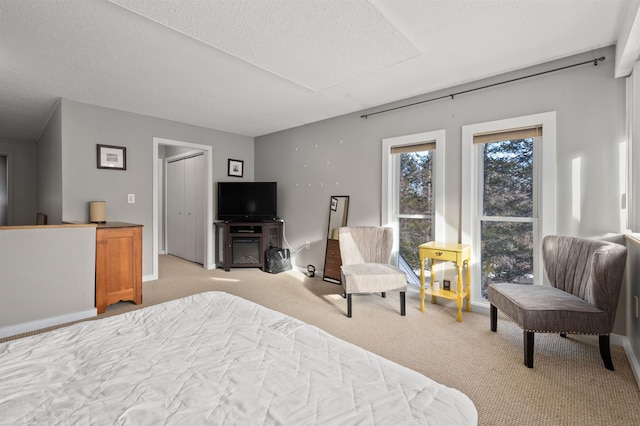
(212, 358)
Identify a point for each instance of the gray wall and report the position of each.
(84, 126)
(633, 269)
(49, 193)
(342, 156)
(633, 277)
(22, 162)
(42, 285)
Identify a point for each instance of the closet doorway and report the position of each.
(163, 149)
(185, 207)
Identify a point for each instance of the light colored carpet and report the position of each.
(568, 386)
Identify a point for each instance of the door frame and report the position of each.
(9, 188)
(208, 222)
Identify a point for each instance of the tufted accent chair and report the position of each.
(585, 278)
(365, 252)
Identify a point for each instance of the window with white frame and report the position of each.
(632, 153)
(412, 198)
(508, 198)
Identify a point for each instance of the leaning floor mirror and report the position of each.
(338, 211)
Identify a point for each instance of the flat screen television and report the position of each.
(247, 201)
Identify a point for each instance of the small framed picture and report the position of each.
(446, 285)
(112, 157)
(236, 168)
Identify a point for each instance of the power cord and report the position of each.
(284, 238)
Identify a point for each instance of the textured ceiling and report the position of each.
(316, 44)
(256, 67)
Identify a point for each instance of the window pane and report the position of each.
(414, 232)
(507, 253)
(508, 178)
(416, 183)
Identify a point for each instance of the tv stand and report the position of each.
(242, 244)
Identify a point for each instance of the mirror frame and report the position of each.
(338, 215)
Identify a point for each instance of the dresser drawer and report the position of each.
(439, 254)
(332, 272)
(333, 248)
(332, 261)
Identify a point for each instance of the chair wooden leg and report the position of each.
(403, 304)
(349, 305)
(528, 348)
(605, 351)
(494, 318)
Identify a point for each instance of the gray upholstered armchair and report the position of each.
(585, 277)
(365, 252)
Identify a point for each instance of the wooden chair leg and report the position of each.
(605, 351)
(349, 305)
(494, 318)
(403, 304)
(528, 348)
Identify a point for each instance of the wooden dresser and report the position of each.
(118, 264)
(332, 262)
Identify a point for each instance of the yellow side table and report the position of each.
(453, 252)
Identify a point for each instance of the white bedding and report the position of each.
(212, 358)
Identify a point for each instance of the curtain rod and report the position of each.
(452, 95)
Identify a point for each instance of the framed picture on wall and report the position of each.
(236, 168)
(112, 157)
(334, 204)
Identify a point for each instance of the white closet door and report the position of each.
(200, 229)
(185, 208)
(189, 208)
(175, 209)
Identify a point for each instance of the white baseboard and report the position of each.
(633, 361)
(12, 330)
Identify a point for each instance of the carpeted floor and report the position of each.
(568, 386)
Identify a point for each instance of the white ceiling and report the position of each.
(255, 67)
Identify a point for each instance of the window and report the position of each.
(413, 187)
(506, 207)
(508, 200)
(632, 152)
(415, 209)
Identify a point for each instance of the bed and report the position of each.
(212, 358)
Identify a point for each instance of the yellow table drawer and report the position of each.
(440, 254)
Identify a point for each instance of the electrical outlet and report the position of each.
(131, 198)
(307, 244)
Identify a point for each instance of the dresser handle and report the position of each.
(438, 253)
